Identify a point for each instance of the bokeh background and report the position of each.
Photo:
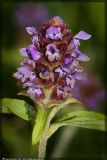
(67, 142)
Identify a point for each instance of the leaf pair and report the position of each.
(85, 119)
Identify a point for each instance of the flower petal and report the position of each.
(28, 62)
(23, 52)
(83, 57)
(34, 39)
(60, 71)
(33, 53)
(34, 91)
(74, 54)
(31, 30)
(66, 69)
(76, 42)
(17, 75)
(53, 33)
(77, 76)
(82, 35)
(68, 60)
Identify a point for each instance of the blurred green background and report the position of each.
(89, 17)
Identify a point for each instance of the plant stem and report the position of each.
(44, 139)
(42, 147)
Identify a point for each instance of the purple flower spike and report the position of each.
(31, 30)
(53, 33)
(33, 53)
(51, 61)
(82, 35)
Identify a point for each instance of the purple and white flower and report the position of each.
(80, 56)
(80, 36)
(34, 91)
(24, 74)
(52, 52)
(54, 33)
(31, 52)
(31, 30)
(60, 71)
(52, 61)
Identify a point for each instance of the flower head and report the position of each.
(51, 62)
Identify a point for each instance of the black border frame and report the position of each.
(105, 79)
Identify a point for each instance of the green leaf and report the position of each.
(85, 119)
(39, 124)
(58, 107)
(19, 108)
(5, 109)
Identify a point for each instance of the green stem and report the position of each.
(44, 139)
(42, 147)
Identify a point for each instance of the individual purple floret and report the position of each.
(80, 56)
(31, 52)
(75, 43)
(34, 91)
(31, 30)
(52, 52)
(54, 33)
(24, 74)
(82, 35)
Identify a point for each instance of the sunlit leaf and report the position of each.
(39, 125)
(62, 105)
(5, 109)
(19, 108)
(85, 119)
